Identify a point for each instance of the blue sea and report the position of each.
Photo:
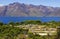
(19, 19)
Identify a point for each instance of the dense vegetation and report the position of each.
(8, 31)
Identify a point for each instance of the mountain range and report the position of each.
(28, 10)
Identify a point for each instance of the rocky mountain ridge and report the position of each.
(23, 10)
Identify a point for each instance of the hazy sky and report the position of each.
(55, 3)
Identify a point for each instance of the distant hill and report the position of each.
(24, 10)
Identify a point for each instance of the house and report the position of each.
(43, 30)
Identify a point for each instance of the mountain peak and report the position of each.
(15, 3)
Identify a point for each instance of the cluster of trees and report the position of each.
(10, 32)
(50, 23)
(31, 22)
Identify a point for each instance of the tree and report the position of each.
(17, 23)
(58, 33)
(1, 23)
(11, 23)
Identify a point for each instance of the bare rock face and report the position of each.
(23, 10)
